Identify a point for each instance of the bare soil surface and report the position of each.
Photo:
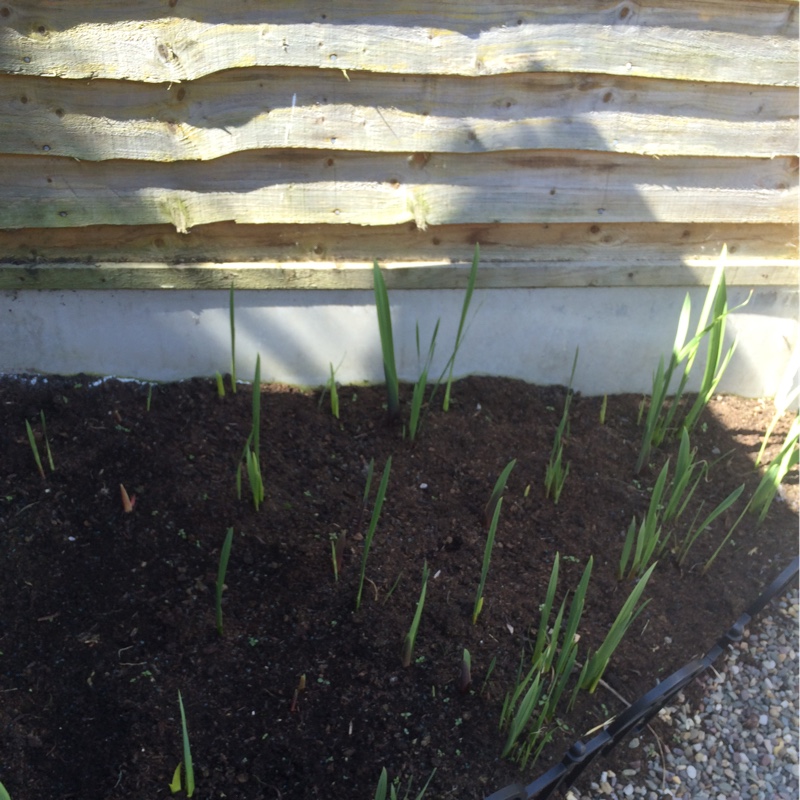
(106, 615)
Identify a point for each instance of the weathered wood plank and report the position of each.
(622, 244)
(302, 187)
(339, 257)
(751, 43)
(260, 109)
(421, 276)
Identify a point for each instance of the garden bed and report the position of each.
(106, 615)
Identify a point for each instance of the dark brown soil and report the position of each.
(107, 615)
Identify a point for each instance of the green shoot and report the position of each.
(776, 472)
(473, 273)
(465, 673)
(223, 566)
(337, 552)
(487, 557)
(411, 636)
(4, 795)
(387, 342)
(146, 406)
(252, 448)
(556, 473)
(220, 385)
(47, 443)
(492, 665)
(421, 384)
(787, 394)
(373, 523)
(233, 340)
(768, 486)
(187, 753)
(334, 392)
(499, 488)
(603, 408)
(694, 533)
(596, 665)
(34, 449)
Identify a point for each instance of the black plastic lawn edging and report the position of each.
(631, 721)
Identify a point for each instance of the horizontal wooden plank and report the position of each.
(623, 244)
(349, 275)
(276, 108)
(339, 256)
(365, 189)
(754, 43)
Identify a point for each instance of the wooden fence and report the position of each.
(286, 144)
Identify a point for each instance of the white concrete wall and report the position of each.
(524, 333)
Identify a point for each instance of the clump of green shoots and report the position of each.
(387, 342)
(661, 417)
(556, 472)
(786, 396)
(224, 555)
(647, 539)
(768, 486)
(411, 636)
(487, 557)
(537, 692)
(175, 786)
(373, 523)
(384, 787)
(35, 449)
(252, 448)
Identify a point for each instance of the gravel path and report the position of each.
(741, 742)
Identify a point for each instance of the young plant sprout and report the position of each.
(387, 342)
(473, 274)
(301, 687)
(487, 557)
(373, 523)
(128, 501)
(4, 795)
(188, 767)
(421, 384)
(252, 447)
(499, 488)
(556, 473)
(34, 449)
(603, 408)
(224, 555)
(334, 392)
(411, 636)
(642, 541)
(465, 673)
(220, 385)
(233, 340)
(149, 396)
(768, 486)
